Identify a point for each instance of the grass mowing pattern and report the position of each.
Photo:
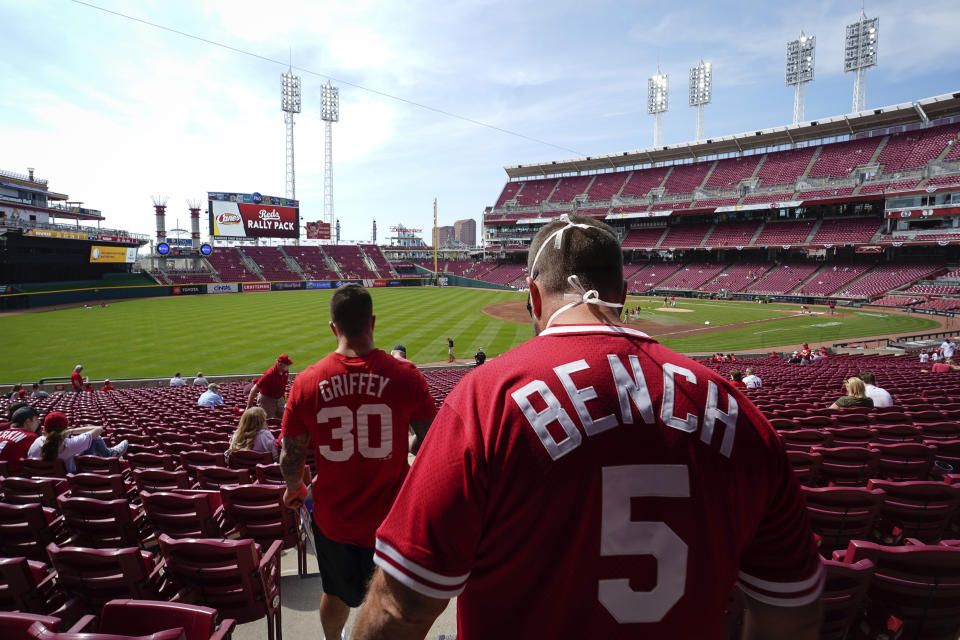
(786, 329)
(221, 334)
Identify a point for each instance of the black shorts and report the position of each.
(345, 569)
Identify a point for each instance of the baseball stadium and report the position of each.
(802, 256)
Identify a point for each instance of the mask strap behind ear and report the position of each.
(591, 296)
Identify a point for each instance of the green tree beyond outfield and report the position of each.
(230, 334)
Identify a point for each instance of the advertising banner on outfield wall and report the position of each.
(340, 283)
(379, 283)
(394, 283)
(256, 286)
(188, 289)
(63, 235)
(100, 253)
(318, 284)
(286, 286)
(223, 287)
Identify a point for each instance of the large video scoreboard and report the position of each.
(251, 215)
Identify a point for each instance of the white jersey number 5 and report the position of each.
(621, 536)
(344, 433)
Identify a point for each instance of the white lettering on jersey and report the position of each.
(634, 389)
(579, 398)
(553, 413)
(345, 384)
(712, 414)
(688, 424)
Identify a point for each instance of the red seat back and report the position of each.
(181, 516)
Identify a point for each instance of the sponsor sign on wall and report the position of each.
(921, 213)
(123, 239)
(318, 284)
(285, 286)
(188, 289)
(236, 220)
(223, 287)
(101, 253)
(256, 286)
(379, 283)
(318, 231)
(47, 233)
(394, 283)
(340, 283)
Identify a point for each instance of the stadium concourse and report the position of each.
(882, 486)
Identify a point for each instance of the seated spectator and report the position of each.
(480, 357)
(399, 352)
(773, 355)
(16, 440)
(880, 396)
(942, 367)
(935, 356)
(795, 358)
(856, 396)
(107, 386)
(177, 381)
(38, 392)
(66, 444)
(200, 380)
(211, 397)
(252, 433)
(12, 409)
(737, 379)
(924, 356)
(752, 380)
(16, 393)
(88, 386)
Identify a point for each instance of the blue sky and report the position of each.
(113, 112)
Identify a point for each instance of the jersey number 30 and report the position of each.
(621, 536)
(344, 432)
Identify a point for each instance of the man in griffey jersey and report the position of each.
(354, 409)
(591, 483)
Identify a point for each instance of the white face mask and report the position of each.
(591, 296)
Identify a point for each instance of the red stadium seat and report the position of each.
(806, 466)
(258, 512)
(248, 459)
(841, 514)
(101, 487)
(213, 478)
(916, 509)
(32, 468)
(920, 585)
(103, 523)
(105, 466)
(270, 474)
(26, 529)
(904, 461)
(232, 576)
(29, 586)
(190, 460)
(182, 516)
(145, 616)
(15, 625)
(844, 595)
(847, 466)
(30, 490)
(151, 461)
(161, 480)
(96, 576)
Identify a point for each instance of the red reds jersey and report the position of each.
(357, 411)
(273, 383)
(14, 444)
(805, 353)
(592, 483)
(76, 380)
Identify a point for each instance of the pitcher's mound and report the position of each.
(674, 310)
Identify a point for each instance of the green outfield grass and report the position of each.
(236, 334)
(785, 329)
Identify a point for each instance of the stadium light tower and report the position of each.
(801, 54)
(701, 89)
(657, 89)
(290, 104)
(859, 54)
(329, 113)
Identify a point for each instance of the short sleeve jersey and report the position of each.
(591, 483)
(357, 411)
(76, 380)
(14, 445)
(273, 382)
(69, 449)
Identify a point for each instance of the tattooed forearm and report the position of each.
(292, 457)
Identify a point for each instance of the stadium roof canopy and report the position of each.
(919, 112)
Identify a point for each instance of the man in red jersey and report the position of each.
(591, 483)
(267, 392)
(76, 380)
(354, 408)
(16, 440)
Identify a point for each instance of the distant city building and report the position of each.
(445, 236)
(465, 232)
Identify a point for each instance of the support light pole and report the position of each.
(859, 54)
(329, 113)
(657, 89)
(290, 104)
(701, 90)
(801, 55)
